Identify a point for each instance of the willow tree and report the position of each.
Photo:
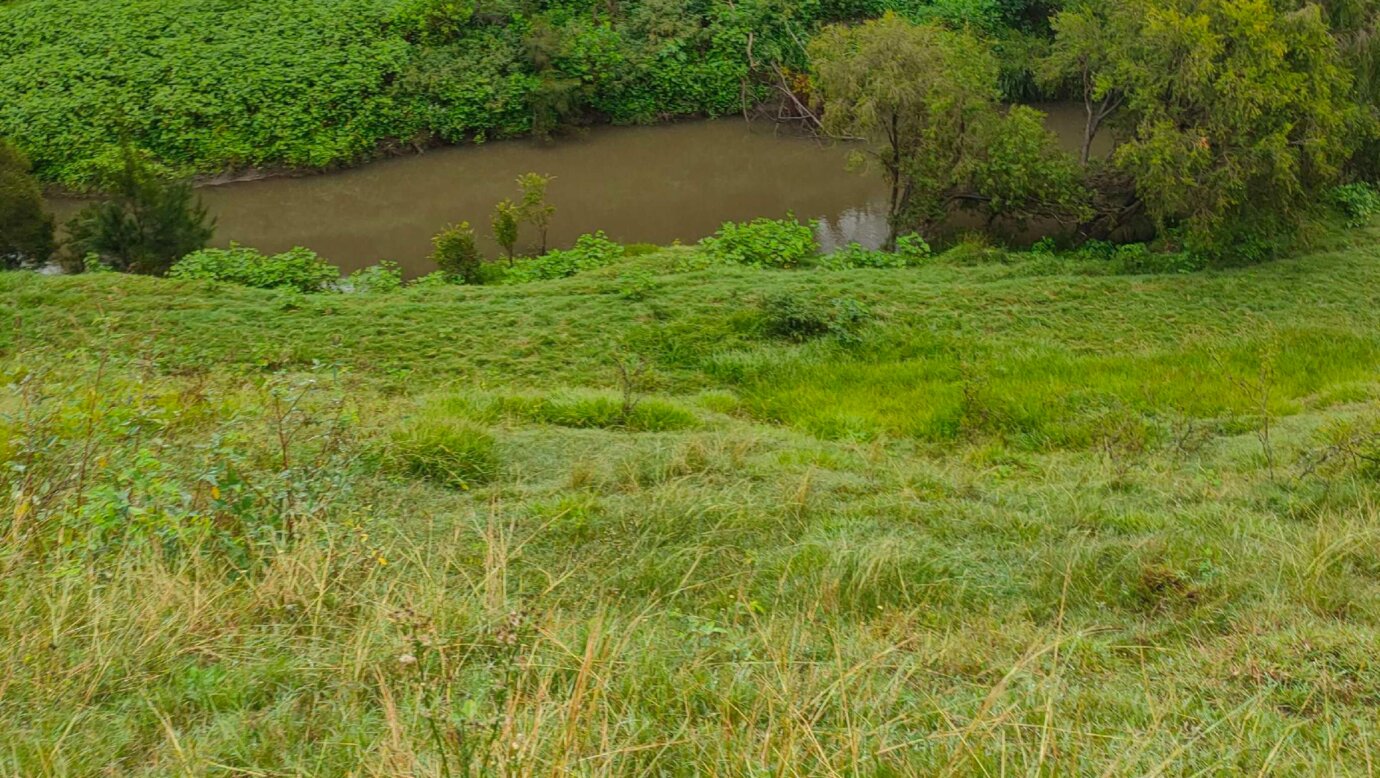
(26, 232)
(1234, 113)
(926, 99)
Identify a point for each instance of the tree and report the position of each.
(1236, 114)
(504, 223)
(1093, 40)
(26, 232)
(926, 98)
(146, 225)
(455, 253)
(533, 207)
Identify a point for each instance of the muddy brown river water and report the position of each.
(639, 184)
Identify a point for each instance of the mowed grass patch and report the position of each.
(717, 590)
(577, 408)
(1041, 395)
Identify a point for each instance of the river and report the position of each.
(653, 184)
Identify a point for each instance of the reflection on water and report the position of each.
(639, 184)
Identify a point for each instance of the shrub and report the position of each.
(763, 243)
(146, 225)
(913, 248)
(588, 253)
(382, 278)
(855, 255)
(435, 280)
(299, 269)
(1137, 258)
(504, 223)
(1358, 202)
(26, 232)
(455, 253)
(788, 316)
(636, 285)
(447, 451)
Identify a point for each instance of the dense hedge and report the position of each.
(206, 86)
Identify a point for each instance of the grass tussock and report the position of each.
(1019, 524)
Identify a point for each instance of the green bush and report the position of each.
(456, 255)
(26, 232)
(146, 225)
(778, 243)
(1358, 202)
(448, 451)
(636, 285)
(382, 278)
(589, 252)
(910, 250)
(299, 269)
(1139, 259)
(788, 316)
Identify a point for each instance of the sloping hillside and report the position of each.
(1001, 516)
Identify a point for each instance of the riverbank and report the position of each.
(658, 184)
(1020, 515)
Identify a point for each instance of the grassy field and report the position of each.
(1007, 517)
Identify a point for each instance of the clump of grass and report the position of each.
(577, 408)
(445, 450)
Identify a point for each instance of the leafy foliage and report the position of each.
(146, 225)
(1359, 202)
(590, 251)
(26, 232)
(793, 317)
(911, 250)
(1238, 112)
(383, 278)
(455, 253)
(926, 98)
(204, 86)
(504, 222)
(300, 269)
(533, 207)
(780, 243)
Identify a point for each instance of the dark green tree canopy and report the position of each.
(1230, 115)
(146, 225)
(26, 231)
(925, 98)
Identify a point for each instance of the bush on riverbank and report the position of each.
(26, 232)
(300, 269)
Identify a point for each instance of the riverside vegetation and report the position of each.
(1103, 507)
(988, 513)
(1226, 123)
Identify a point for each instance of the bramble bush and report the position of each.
(780, 243)
(300, 269)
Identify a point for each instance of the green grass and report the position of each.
(1030, 520)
